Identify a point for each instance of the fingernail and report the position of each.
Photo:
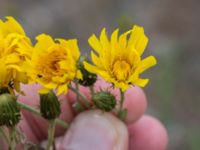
(96, 130)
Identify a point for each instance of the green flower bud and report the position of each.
(49, 106)
(9, 110)
(88, 78)
(104, 100)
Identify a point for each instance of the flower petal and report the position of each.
(138, 39)
(96, 60)
(141, 82)
(114, 37)
(104, 38)
(95, 43)
(146, 63)
(44, 41)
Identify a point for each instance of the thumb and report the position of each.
(96, 130)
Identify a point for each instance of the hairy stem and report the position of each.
(121, 105)
(36, 112)
(51, 132)
(86, 101)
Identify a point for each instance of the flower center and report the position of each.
(49, 64)
(121, 70)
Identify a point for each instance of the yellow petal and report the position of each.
(90, 67)
(141, 82)
(51, 85)
(123, 86)
(95, 44)
(12, 58)
(44, 91)
(79, 75)
(62, 89)
(123, 39)
(13, 26)
(114, 37)
(96, 60)
(95, 70)
(104, 38)
(146, 63)
(138, 39)
(73, 47)
(43, 42)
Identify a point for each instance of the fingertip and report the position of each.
(96, 130)
(147, 134)
(135, 103)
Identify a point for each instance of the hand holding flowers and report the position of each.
(56, 65)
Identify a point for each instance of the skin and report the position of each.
(96, 130)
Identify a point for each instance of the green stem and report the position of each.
(81, 95)
(78, 97)
(5, 137)
(12, 142)
(121, 103)
(51, 132)
(92, 89)
(36, 112)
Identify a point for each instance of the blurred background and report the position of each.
(173, 29)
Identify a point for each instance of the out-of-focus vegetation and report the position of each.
(173, 29)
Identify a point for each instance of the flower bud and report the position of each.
(88, 78)
(49, 106)
(9, 110)
(104, 100)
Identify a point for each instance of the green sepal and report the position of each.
(9, 110)
(49, 106)
(104, 100)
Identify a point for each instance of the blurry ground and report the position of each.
(173, 28)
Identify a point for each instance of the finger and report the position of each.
(38, 124)
(96, 130)
(3, 145)
(135, 100)
(147, 134)
(25, 128)
(135, 103)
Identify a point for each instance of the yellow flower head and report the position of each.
(118, 60)
(12, 37)
(54, 63)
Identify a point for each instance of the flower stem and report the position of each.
(78, 97)
(120, 112)
(86, 101)
(12, 142)
(36, 112)
(51, 131)
(91, 89)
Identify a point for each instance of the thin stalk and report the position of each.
(86, 101)
(51, 132)
(12, 142)
(92, 89)
(78, 96)
(121, 103)
(37, 112)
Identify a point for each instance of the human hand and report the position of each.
(94, 129)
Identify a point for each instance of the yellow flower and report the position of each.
(118, 60)
(12, 37)
(54, 63)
